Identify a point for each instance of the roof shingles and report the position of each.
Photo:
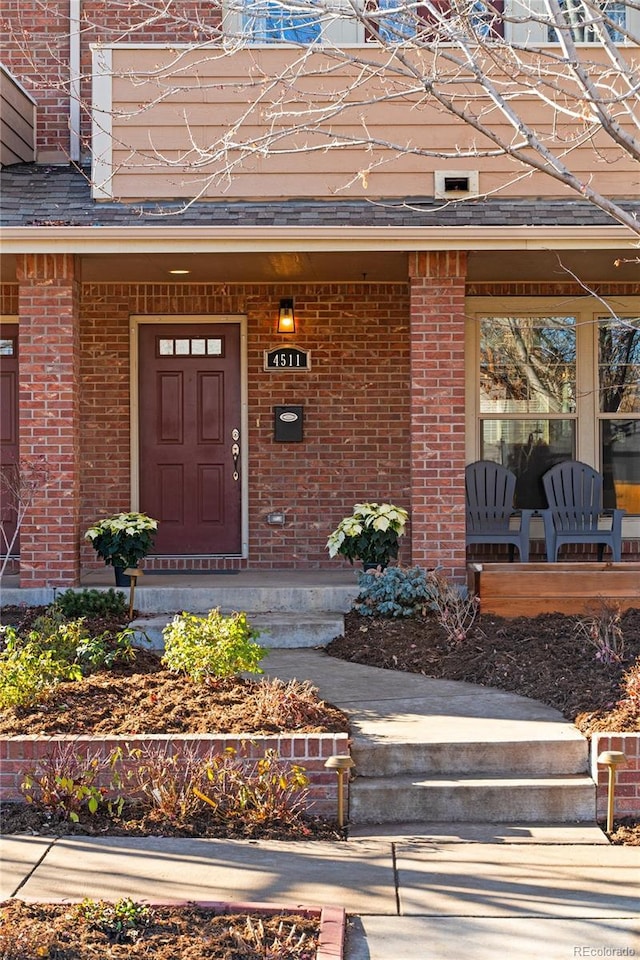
(35, 195)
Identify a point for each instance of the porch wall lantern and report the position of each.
(286, 317)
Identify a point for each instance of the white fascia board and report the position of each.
(102, 125)
(205, 239)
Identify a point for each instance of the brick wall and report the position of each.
(35, 49)
(438, 410)
(49, 415)
(18, 755)
(627, 789)
(355, 397)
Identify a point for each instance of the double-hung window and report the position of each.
(270, 22)
(267, 21)
(528, 21)
(584, 20)
(551, 384)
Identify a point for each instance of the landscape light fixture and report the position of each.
(611, 759)
(341, 764)
(286, 318)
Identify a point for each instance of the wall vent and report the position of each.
(454, 184)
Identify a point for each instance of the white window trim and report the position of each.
(102, 123)
(587, 311)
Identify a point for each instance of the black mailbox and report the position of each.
(287, 425)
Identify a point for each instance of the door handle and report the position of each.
(235, 453)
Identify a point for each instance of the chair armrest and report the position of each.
(525, 519)
(616, 514)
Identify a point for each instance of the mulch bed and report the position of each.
(55, 931)
(543, 658)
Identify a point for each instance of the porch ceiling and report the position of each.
(355, 266)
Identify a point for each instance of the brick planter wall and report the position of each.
(310, 751)
(627, 793)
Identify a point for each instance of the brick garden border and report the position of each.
(18, 754)
(333, 920)
(627, 791)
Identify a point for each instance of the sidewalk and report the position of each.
(413, 891)
(474, 893)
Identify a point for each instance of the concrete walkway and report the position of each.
(413, 892)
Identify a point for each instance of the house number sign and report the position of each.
(286, 358)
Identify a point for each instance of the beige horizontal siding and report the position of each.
(167, 104)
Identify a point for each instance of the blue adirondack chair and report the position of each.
(574, 496)
(490, 490)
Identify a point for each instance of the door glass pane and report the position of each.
(197, 347)
(183, 348)
(527, 365)
(529, 448)
(619, 365)
(165, 348)
(620, 459)
(6, 348)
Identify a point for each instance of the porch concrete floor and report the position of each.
(242, 578)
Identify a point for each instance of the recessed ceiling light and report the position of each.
(180, 273)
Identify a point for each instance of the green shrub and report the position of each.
(28, 672)
(54, 650)
(269, 790)
(166, 782)
(105, 650)
(66, 783)
(395, 592)
(123, 920)
(230, 788)
(92, 603)
(211, 646)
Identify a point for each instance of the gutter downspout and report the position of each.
(75, 11)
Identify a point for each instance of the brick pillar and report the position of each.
(49, 416)
(438, 410)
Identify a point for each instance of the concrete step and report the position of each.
(285, 630)
(259, 591)
(471, 799)
(545, 757)
(283, 597)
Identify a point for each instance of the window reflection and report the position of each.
(619, 365)
(529, 448)
(527, 364)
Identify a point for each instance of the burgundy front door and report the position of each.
(8, 433)
(190, 436)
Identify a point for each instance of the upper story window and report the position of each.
(398, 21)
(395, 20)
(267, 21)
(272, 23)
(528, 21)
(584, 19)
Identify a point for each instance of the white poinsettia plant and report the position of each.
(370, 534)
(123, 539)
